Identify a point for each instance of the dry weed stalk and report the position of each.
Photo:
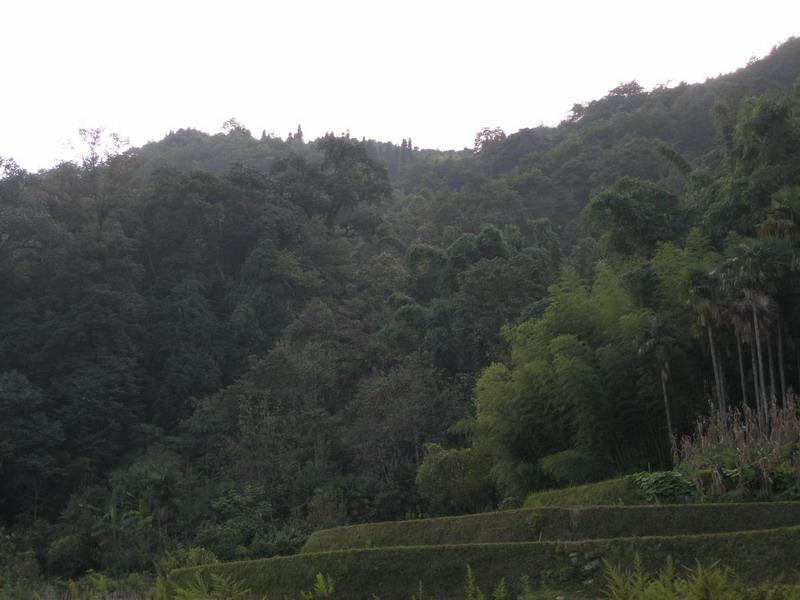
(739, 446)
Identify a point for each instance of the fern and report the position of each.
(471, 589)
(218, 587)
(500, 592)
(527, 592)
(323, 588)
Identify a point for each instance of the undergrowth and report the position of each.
(739, 456)
(712, 582)
(703, 582)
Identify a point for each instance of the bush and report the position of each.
(699, 583)
(326, 508)
(213, 587)
(19, 569)
(455, 481)
(664, 486)
(240, 516)
(571, 467)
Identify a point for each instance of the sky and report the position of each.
(435, 71)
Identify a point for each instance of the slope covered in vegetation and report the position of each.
(216, 344)
(556, 523)
(394, 573)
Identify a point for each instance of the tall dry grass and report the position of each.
(738, 451)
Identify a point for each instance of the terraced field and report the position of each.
(560, 549)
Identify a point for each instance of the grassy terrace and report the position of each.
(553, 524)
(603, 493)
(394, 572)
(559, 541)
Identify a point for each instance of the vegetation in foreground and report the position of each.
(711, 582)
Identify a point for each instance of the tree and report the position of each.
(704, 301)
(233, 126)
(29, 444)
(487, 136)
(754, 268)
(455, 481)
(576, 113)
(624, 90)
(656, 340)
(634, 215)
(350, 176)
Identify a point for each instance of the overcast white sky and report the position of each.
(435, 70)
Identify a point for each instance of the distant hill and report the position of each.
(555, 170)
(623, 121)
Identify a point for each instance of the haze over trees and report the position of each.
(223, 341)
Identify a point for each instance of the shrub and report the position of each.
(326, 508)
(664, 486)
(213, 587)
(323, 588)
(737, 455)
(456, 480)
(182, 556)
(699, 583)
(571, 467)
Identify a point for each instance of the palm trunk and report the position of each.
(771, 367)
(797, 358)
(669, 419)
(717, 371)
(742, 380)
(780, 357)
(759, 408)
(764, 406)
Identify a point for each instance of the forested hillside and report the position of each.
(215, 344)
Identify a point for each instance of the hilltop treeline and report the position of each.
(221, 342)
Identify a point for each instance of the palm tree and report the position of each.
(736, 314)
(753, 269)
(782, 222)
(657, 340)
(703, 291)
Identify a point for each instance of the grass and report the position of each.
(393, 573)
(553, 524)
(602, 493)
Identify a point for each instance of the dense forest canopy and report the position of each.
(225, 341)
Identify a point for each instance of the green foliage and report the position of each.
(214, 587)
(454, 480)
(28, 438)
(571, 467)
(182, 556)
(634, 215)
(698, 583)
(240, 516)
(664, 486)
(19, 570)
(323, 588)
(576, 380)
(471, 589)
(394, 572)
(194, 353)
